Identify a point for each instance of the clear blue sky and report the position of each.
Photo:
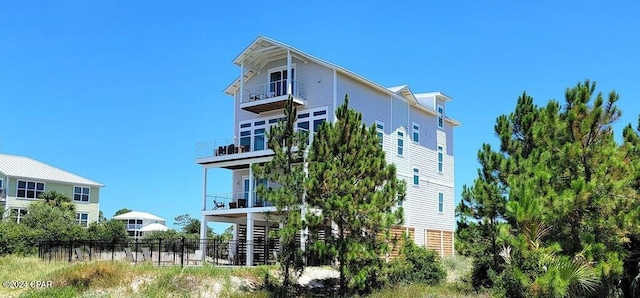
(121, 91)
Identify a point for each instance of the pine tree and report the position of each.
(570, 197)
(287, 169)
(353, 187)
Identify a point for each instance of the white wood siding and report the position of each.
(373, 104)
(400, 114)
(318, 89)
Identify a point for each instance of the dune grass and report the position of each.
(121, 279)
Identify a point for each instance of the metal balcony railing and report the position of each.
(271, 90)
(225, 201)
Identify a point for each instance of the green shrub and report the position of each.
(416, 264)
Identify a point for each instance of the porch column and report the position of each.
(204, 189)
(234, 242)
(241, 81)
(251, 190)
(250, 239)
(203, 238)
(289, 76)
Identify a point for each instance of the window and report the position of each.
(440, 202)
(82, 219)
(400, 201)
(400, 143)
(81, 194)
(18, 213)
(416, 176)
(134, 224)
(380, 132)
(440, 156)
(416, 132)
(245, 125)
(440, 116)
(278, 82)
(245, 140)
(258, 139)
(29, 189)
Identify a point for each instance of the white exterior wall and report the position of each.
(373, 104)
(318, 89)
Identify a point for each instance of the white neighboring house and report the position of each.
(138, 222)
(23, 179)
(415, 131)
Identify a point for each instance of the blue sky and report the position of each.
(121, 91)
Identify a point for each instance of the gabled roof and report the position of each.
(28, 168)
(138, 215)
(264, 50)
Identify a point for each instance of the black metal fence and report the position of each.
(169, 252)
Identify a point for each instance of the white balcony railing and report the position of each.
(131, 227)
(271, 90)
(225, 201)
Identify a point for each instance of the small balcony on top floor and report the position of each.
(272, 96)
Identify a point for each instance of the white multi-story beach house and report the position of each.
(415, 131)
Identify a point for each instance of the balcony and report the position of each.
(239, 200)
(232, 149)
(272, 96)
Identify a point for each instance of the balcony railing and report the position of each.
(131, 227)
(231, 146)
(271, 90)
(226, 201)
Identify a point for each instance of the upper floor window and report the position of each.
(278, 81)
(400, 201)
(416, 132)
(416, 176)
(82, 219)
(29, 189)
(440, 158)
(380, 132)
(134, 224)
(440, 202)
(18, 213)
(81, 194)
(440, 116)
(400, 143)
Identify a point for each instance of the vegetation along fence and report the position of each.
(168, 252)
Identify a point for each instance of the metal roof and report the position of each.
(28, 168)
(139, 215)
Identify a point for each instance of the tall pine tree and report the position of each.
(568, 200)
(287, 169)
(353, 187)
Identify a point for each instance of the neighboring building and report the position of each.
(416, 134)
(23, 179)
(138, 222)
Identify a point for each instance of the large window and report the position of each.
(440, 157)
(440, 202)
(29, 189)
(82, 219)
(81, 194)
(440, 116)
(416, 176)
(416, 132)
(400, 143)
(278, 81)
(253, 134)
(380, 132)
(18, 213)
(134, 224)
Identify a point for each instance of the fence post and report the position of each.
(136, 250)
(182, 252)
(70, 251)
(159, 250)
